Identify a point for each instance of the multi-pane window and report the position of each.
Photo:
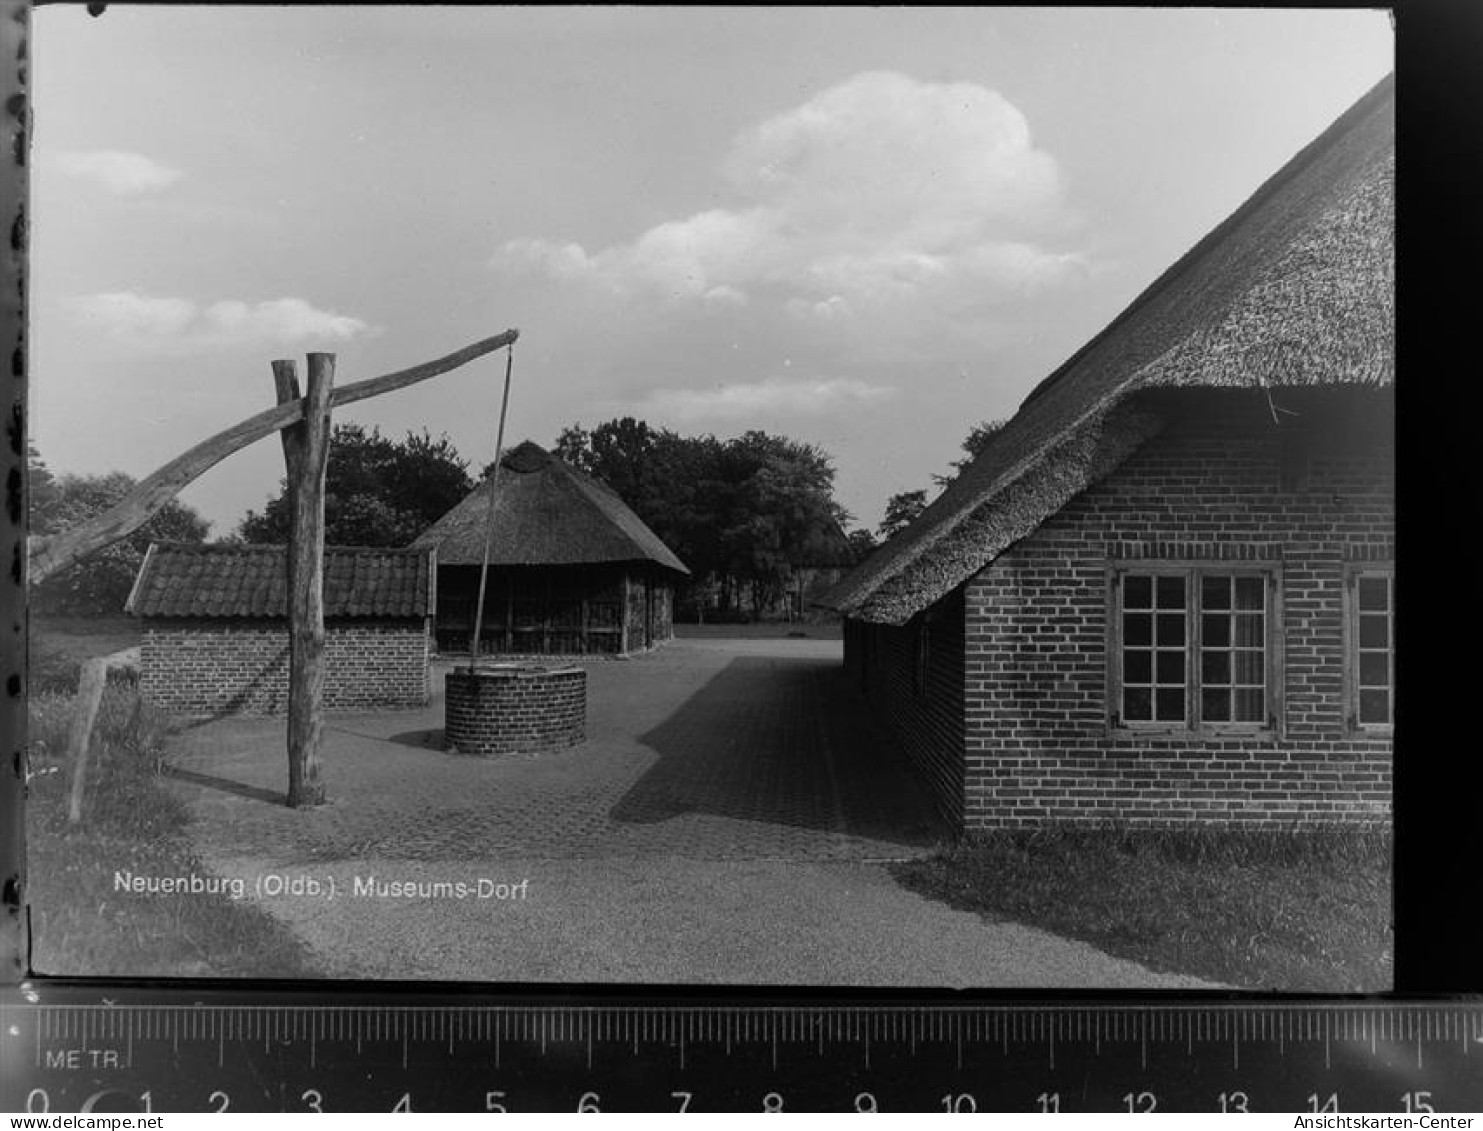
(1233, 649)
(1193, 648)
(1155, 651)
(1374, 648)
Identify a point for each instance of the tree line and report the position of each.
(745, 514)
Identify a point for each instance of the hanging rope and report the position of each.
(499, 454)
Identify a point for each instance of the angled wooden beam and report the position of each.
(49, 555)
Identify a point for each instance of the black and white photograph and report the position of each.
(858, 498)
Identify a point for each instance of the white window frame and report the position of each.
(1193, 573)
(1352, 649)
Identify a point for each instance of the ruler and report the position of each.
(181, 1048)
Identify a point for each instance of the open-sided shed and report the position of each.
(573, 571)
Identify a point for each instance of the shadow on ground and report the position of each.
(428, 738)
(781, 741)
(227, 785)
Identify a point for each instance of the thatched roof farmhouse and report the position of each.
(573, 570)
(1162, 593)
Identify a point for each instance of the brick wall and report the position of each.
(515, 710)
(1223, 483)
(241, 667)
(921, 707)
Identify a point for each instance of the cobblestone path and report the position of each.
(727, 750)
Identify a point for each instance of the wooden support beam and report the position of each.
(623, 612)
(90, 683)
(586, 615)
(309, 451)
(92, 680)
(49, 555)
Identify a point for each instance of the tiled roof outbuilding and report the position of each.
(202, 581)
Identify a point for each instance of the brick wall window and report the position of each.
(1192, 648)
(1371, 652)
(921, 658)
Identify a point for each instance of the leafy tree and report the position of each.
(662, 476)
(100, 583)
(741, 513)
(573, 446)
(378, 491)
(901, 509)
(862, 543)
(41, 486)
(624, 454)
(973, 445)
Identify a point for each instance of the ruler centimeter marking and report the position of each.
(948, 1043)
(1410, 1022)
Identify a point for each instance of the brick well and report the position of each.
(515, 709)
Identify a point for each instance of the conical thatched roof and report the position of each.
(1296, 288)
(547, 513)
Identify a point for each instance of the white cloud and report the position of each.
(180, 325)
(118, 171)
(745, 400)
(880, 190)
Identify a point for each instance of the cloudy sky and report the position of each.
(863, 228)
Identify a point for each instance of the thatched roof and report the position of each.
(546, 513)
(1297, 287)
(209, 582)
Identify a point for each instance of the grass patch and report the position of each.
(1303, 911)
(58, 646)
(79, 924)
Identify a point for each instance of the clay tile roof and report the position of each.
(210, 582)
(547, 513)
(1295, 288)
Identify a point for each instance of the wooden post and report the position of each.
(306, 579)
(547, 600)
(79, 735)
(286, 385)
(623, 612)
(90, 686)
(586, 615)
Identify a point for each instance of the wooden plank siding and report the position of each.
(555, 610)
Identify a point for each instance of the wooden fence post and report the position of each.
(90, 685)
(91, 682)
(306, 579)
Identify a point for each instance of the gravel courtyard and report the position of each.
(725, 822)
